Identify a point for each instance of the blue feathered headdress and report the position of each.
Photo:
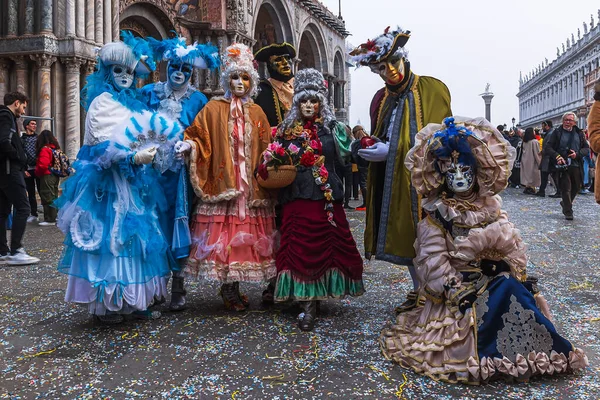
(205, 56)
(132, 52)
(446, 143)
(141, 50)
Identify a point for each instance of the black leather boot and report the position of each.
(268, 294)
(306, 320)
(243, 298)
(178, 295)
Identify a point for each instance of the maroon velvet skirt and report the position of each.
(316, 260)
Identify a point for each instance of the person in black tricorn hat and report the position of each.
(276, 93)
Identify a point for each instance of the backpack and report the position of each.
(61, 166)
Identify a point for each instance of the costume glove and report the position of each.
(466, 302)
(597, 90)
(181, 148)
(144, 156)
(377, 152)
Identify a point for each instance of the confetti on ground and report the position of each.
(50, 349)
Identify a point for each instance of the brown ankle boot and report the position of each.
(230, 298)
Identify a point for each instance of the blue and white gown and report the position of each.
(182, 106)
(115, 251)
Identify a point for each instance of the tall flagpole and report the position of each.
(340, 8)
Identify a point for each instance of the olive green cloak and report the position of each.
(393, 206)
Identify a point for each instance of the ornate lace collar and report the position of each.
(469, 213)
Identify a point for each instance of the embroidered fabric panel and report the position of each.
(522, 334)
(481, 307)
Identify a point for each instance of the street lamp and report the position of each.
(513, 121)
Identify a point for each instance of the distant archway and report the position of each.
(272, 24)
(339, 82)
(311, 51)
(147, 20)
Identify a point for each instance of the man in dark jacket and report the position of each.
(567, 147)
(515, 140)
(13, 163)
(362, 164)
(546, 166)
(29, 138)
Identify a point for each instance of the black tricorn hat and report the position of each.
(275, 49)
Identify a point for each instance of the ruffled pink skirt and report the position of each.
(227, 248)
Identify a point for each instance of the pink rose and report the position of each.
(293, 148)
(323, 171)
(273, 147)
(267, 156)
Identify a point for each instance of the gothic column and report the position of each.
(209, 73)
(70, 13)
(21, 69)
(80, 18)
(115, 19)
(44, 62)
(107, 21)
(46, 17)
(221, 45)
(4, 65)
(72, 112)
(99, 33)
(29, 17)
(90, 19)
(13, 18)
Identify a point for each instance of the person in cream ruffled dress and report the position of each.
(479, 316)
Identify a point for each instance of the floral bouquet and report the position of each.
(277, 169)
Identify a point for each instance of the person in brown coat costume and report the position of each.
(594, 131)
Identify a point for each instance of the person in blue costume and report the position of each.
(479, 316)
(181, 101)
(115, 251)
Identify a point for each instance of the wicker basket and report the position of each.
(278, 178)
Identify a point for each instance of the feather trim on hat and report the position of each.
(383, 46)
(203, 56)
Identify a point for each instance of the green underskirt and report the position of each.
(333, 284)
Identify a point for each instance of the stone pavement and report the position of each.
(50, 349)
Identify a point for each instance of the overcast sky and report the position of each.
(465, 43)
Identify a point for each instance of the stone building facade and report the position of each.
(565, 84)
(47, 47)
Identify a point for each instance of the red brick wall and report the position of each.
(216, 13)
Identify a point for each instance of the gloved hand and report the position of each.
(181, 148)
(466, 302)
(597, 90)
(144, 156)
(377, 152)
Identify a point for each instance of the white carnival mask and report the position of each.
(459, 177)
(309, 108)
(122, 77)
(239, 84)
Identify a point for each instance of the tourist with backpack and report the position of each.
(13, 162)
(46, 146)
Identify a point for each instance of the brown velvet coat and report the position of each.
(594, 135)
(211, 166)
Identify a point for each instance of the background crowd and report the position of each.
(560, 155)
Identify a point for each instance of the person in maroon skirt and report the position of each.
(317, 257)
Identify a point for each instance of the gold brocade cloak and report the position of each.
(212, 172)
(393, 206)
